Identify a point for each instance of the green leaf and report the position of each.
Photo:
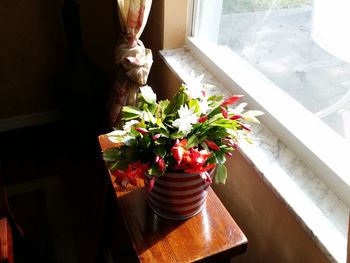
(163, 104)
(152, 108)
(196, 127)
(202, 139)
(194, 103)
(214, 111)
(160, 123)
(122, 137)
(212, 158)
(216, 132)
(145, 142)
(112, 154)
(179, 99)
(251, 115)
(121, 165)
(176, 135)
(154, 170)
(131, 110)
(205, 147)
(162, 131)
(232, 132)
(221, 174)
(161, 151)
(161, 109)
(161, 141)
(148, 117)
(129, 116)
(192, 141)
(221, 122)
(220, 157)
(228, 149)
(216, 98)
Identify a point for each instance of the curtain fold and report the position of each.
(133, 60)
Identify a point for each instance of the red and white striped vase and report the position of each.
(178, 195)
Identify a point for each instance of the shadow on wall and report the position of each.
(273, 233)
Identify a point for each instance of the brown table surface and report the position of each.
(209, 235)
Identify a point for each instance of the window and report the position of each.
(291, 58)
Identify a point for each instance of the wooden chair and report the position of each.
(9, 229)
(6, 252)
(13, 243)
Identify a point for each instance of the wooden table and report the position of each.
(211, 235)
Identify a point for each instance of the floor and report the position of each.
(56, 185)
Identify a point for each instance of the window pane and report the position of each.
(302, 47)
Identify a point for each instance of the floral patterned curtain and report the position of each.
(132, 58)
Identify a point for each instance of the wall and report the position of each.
(274, 234)
(168, 35)
(32, 51)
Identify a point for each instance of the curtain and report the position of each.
(132, 58)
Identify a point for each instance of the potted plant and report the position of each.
(178, 146)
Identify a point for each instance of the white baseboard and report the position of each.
(28, 120)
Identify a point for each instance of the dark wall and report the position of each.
(32, 50)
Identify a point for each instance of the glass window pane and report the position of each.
(302, 46)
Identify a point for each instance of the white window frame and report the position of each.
(300, 131)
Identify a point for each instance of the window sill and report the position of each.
(323, 215)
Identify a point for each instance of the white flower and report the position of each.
(204, 106)
(194, 86)
(127, 125)
(148, 94)
(187, 118)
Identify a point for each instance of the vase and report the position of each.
(178, 195)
